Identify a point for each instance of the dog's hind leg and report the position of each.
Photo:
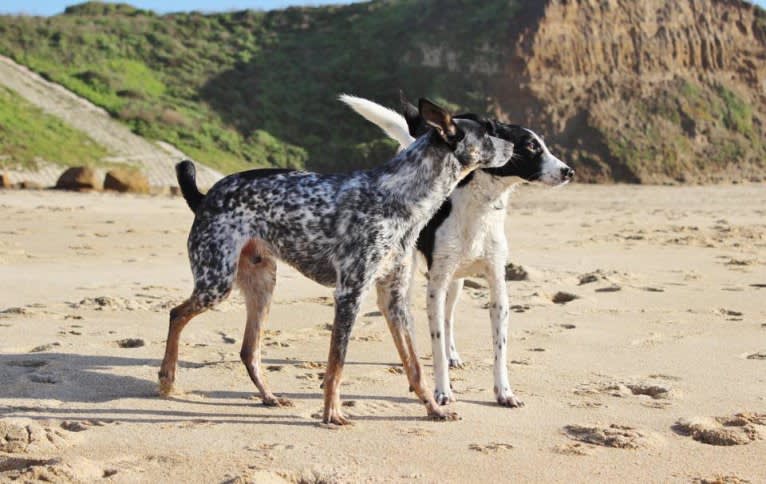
(393, 301)
(256, 277)
(214, 263)
(179, 317)
(499, 312)
(453, 293)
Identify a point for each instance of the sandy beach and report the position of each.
(655, 372)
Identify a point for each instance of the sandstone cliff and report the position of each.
(647, 91)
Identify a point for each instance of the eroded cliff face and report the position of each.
(644, 90)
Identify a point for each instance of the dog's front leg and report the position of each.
(437, 295)
(499, 312)
(394, 303)
(347, 302)
(453, 293)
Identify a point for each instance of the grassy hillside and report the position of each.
(252, 88)
(28, 135)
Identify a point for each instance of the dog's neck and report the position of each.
(423, 175)
(489, 191)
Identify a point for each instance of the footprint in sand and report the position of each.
(229, 340)
(720, 479)
(74, 469)
(82, 425)
(740, 429)
(26, 436)
(730, 314)
(414, 432)
(613, 436)
(131, 343)
(653, 394)
(372, 408)
(573, 448)
(45, 347)
(395, 370)
(491, 448)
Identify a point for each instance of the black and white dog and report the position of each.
(349, 231)
(467, 235)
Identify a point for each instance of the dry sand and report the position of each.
(655, 373)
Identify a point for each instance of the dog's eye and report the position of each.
(532, 146)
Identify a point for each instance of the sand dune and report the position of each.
(637, 343)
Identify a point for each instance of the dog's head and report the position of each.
(531, 159)
(470, 140)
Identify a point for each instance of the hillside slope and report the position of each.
(637, 91)
(41, 120)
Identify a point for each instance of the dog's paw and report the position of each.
(274, 401)
(334, 418)
(509, 400)
(166, 387)
(455, 361)
(443, 397)
(441, 415)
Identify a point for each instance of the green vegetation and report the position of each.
(735, 113)
(656, 139)
(27, 134)
(252, 88)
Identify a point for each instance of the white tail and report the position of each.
(391, 122)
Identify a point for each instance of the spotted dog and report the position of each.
(349, 231)
(466, 235)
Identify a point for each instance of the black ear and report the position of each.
(439, 119)
(412, 116)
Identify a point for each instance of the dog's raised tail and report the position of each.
(391, 122)
(187, 180)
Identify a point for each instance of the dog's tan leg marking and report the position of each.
(332, 378)
(256, 277)
(179, 317)
(394, 304)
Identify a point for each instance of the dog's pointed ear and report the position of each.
(411, 115)
(437, 118)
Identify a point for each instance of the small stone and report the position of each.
(515, 272)
(471, 284)
(612, 288)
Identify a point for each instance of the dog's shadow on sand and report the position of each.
(51, 378)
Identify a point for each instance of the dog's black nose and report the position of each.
(567, 173)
